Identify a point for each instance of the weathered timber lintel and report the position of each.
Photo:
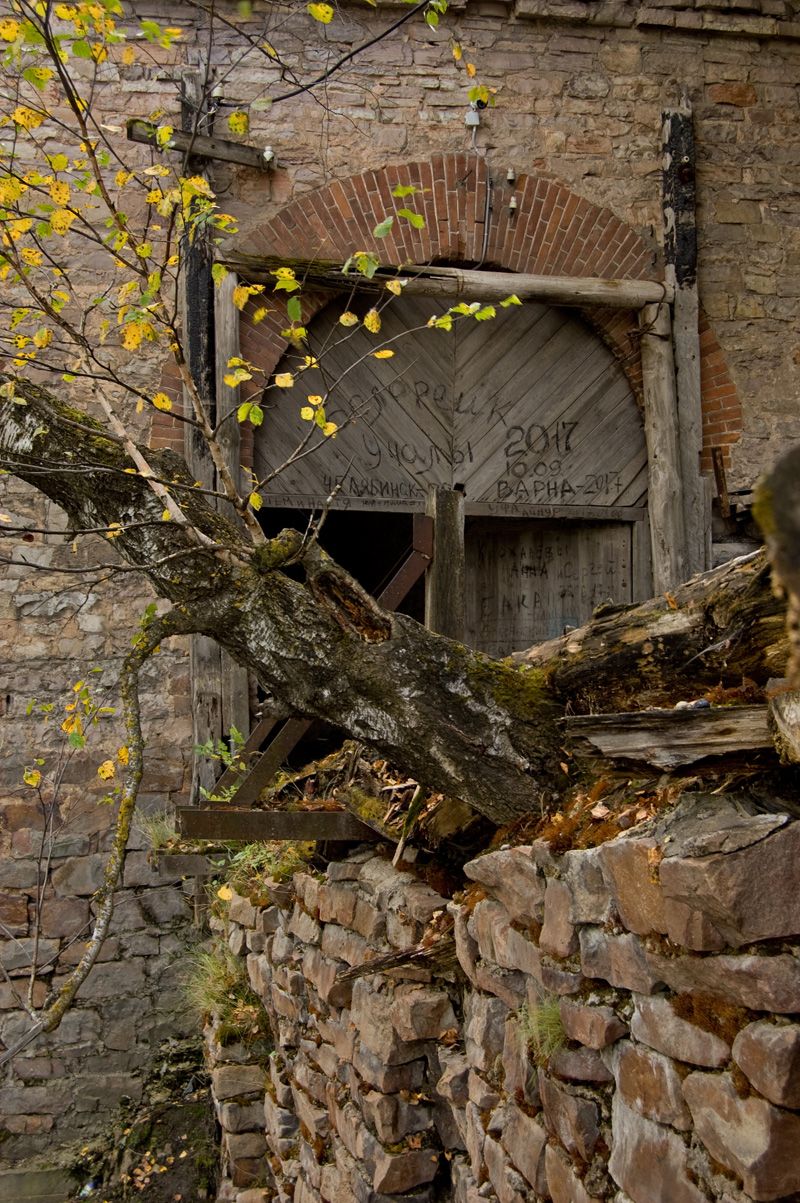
(199, 145)
(454, 283)
(273, 825)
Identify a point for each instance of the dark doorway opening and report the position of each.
(371, 546)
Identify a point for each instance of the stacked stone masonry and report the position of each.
(669, 956)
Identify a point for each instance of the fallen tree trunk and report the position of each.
(720, 626)
(465, 725)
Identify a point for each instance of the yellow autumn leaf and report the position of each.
(106, 770)
(165, 516)
(31, 256)
(384, 354)
(255, 501)
(131, 336)
(321, 12)
(241, 294)
(284, 380)
(162, 401)
(315, 400)
(348, 319)
(8, 29)
(373, 321)
(60, 193)
(27, 118)
(310, 361)
(307, 413)
(122, 177)
(123, 755)
(225, 893)
(395, 286)
(239, 122)
(128, 56)
(329, 429)
(471, 70)
(456, 51)
(31, 776)
(61, 220)
(42, 338)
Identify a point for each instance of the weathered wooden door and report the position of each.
(528, 414)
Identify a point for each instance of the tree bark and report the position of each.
(465, 725)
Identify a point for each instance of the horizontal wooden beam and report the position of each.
(670, 738)
(455, 283)
(250, 825)
(199, 145)
(170, 866)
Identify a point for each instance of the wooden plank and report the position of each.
(197, 306)
(668, 543)
(455, 283)
(596, 513)
(642, 582)
(528, 581)
(445, 580)
(784, 712)
(200, 146)
(190, 864)
(668, 739)
(270, 761)
(251, 825)
(252, 745)
(680, 254)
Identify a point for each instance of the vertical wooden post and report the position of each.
(665, 494)
(680, 254)
(235, 689)
(205, 656)
(445, 602)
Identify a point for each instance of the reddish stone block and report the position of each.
(757, 1141)
(655, 1023)
(558, 935)
(573, 1119)
(769, 1055)
(648, 1160)
(594, 1026)
(648, 1082)
(563, 1183)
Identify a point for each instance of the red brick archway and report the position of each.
(551, 232)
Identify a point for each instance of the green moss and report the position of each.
(367, 806)
(521, 692)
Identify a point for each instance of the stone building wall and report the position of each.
(668, 956)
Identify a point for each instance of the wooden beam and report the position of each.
(455, 283)
(250, 825)
(680, 253)
(665, 496)
(270, 761)
(197, 305)
(199, 146)
(668, 739)
(445, 582)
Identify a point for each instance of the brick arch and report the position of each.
(552, 232)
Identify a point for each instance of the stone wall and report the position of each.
(668, 956)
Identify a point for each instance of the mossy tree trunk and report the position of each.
(468, 726)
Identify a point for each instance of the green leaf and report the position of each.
(262, 105)
(294, 309)
(218, 273)
(319, 417)
(512, 300)
(403, 190)
(484, 314)
(432, 19)
(76, 740)
(383, 228)
(367, 264)
(243, 412)
(151, 30)
(416, 219)
(256, 415)
(38, 76)
(81, 49)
